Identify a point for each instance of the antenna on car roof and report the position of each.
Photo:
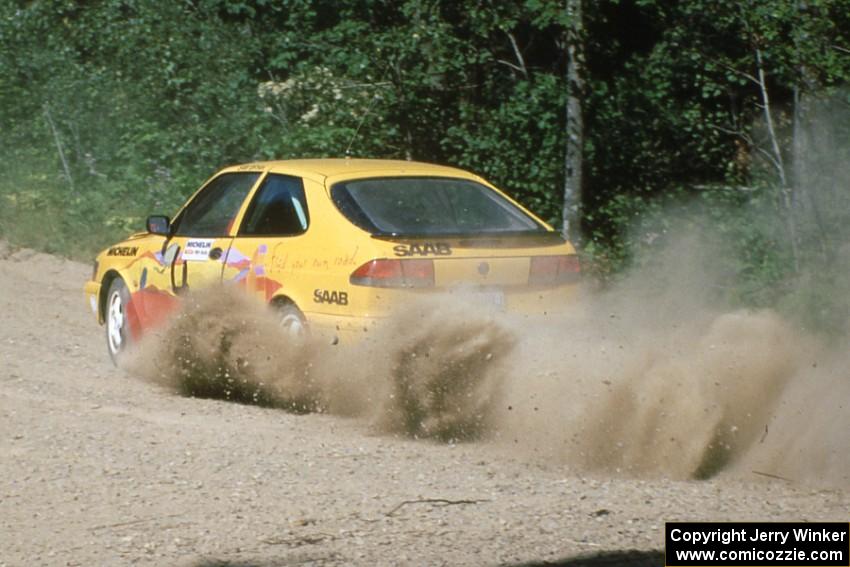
(360, 125)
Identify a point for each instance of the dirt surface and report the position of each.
(101, 468)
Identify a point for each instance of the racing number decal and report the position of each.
(170, 258)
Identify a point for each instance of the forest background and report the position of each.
(726, 119)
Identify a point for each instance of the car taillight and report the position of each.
(554, 269)
(394, 273)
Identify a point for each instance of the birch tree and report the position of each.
(573, 158)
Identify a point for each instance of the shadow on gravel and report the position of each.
(601, 559)
(606, 559)
(225, 563)
(296, 560)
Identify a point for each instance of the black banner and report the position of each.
(762, 544)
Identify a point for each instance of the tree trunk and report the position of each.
(574, 125)
(59, 149)
(787, 192)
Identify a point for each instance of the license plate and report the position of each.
(490, 298)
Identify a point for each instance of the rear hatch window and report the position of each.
(430, 206)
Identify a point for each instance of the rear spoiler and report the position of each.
(504, 238)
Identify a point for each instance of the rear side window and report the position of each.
(212, 211)
(278, 209)
(429, 206)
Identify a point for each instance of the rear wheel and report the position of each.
(117, 323)
(292, 321)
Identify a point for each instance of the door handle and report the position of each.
(215, 253)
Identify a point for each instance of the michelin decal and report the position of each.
(197, 250)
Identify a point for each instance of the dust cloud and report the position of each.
(645, 379)
(657, 377)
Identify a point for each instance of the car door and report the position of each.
(202, 234)
(273, 227)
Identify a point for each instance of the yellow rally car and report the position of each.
(334, 244)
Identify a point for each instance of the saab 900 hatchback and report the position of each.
(335, 245)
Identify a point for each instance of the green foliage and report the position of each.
(526, 126)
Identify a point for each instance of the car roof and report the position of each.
(337, 167)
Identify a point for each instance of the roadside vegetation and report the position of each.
(731, 119)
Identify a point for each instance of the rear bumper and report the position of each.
(522, 301)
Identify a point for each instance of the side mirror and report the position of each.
(158, 224)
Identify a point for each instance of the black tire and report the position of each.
(118, 338)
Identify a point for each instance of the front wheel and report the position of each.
(117, 323)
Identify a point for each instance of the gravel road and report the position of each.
(101, 468)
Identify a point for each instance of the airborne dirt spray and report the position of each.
(433, 372)
(646, 379)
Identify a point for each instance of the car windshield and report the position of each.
(429, 206)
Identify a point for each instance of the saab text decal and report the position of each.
(327, 296)
(197, 249)
(425, 249)
(123, 251)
